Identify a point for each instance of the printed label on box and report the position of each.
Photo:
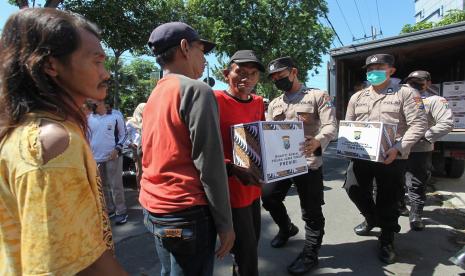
(270, 149)
(365, 140)
(453, 89)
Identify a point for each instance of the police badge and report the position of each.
(286, 142)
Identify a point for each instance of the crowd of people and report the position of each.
(60, 181)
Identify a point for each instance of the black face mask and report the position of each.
(284, 84)
(417, 85)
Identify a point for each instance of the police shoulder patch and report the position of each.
(445, 103)
(327, 100)
(419, 102)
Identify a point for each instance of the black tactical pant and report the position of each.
(389, 181)
(418, 171)
(310, 190)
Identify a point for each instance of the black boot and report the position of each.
(416, 223)
(403, 211)
(386, 248)
(303, 263)
(283, 236)
(308, 258)
(459, 258)
(364, 228)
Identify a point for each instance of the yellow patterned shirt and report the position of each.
(52, 220)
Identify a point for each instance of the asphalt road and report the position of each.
(343, 253)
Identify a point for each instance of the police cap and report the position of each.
(419, 74)
(379, 59)
(280, 64)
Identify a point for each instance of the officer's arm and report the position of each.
(350, 113)
(326, 112)
(442, 115)
(269, 114)
(415, 117)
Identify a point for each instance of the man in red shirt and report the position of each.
(184, 189)
(237, 105)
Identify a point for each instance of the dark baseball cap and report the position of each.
(245, 56)
(423, 75)
(280, 64)
(170, 34)
(379, 59)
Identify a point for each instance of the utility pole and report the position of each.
(373, 36)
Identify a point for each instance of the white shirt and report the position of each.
(102, 134)
(134, 136)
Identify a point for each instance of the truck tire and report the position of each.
(454, 167)
(439, 161)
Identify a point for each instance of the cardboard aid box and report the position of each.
(365, 140)
(454, 93)
(456, 104)
(459, 121)
(270, 149)
(453, 89)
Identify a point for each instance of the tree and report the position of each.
(136, 80)
(272, 28)
(126, 25)
(452, 16)
(423, 25)
(25, 3)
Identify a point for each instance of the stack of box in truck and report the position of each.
(454, 92)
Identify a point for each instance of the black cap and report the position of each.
(170, 34)
(244, 56)
(423, 75)
(379, 59)
(280, 64)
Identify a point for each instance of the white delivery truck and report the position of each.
(440, 51)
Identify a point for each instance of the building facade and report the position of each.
(434, 10)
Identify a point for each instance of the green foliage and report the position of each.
(423, 25)
(126, 25)
(452, 16)
(136, 81)
(272, 28)
(25, 3)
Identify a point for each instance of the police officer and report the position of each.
(388, 102)
(313, 107)
(440, 122)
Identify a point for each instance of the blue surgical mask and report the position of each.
(376, 77)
